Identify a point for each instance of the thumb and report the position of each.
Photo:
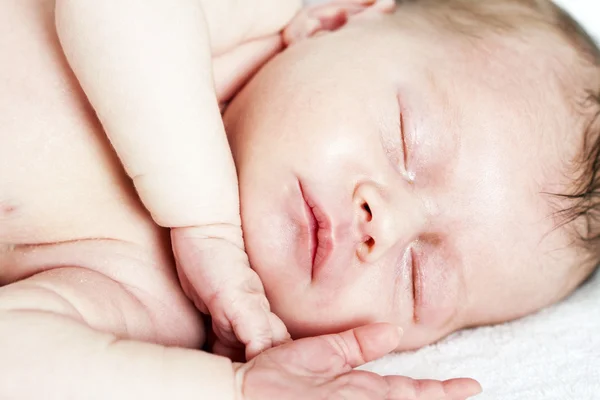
(232, 22)
(339, 353)
(269, 16)
(362, 345)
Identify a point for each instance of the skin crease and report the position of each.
(481, 139)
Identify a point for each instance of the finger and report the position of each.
(368, 385)
(330, 16)
(232, 22)
(401, 387)
(251, 320)
(462, 388)
(234, 68)
(214, 261)
(279, 336)
(270, 15)
(241, 312)
(358, 385)
(224, 331)
(189, 290)
(215, 269)
(251, 331)
(362, 345)
(280, 333)
(386, 5)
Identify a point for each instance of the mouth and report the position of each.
(320, 241)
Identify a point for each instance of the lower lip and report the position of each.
(313, 233)
(320, 243)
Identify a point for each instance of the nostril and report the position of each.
(365, 248)
(366, 207)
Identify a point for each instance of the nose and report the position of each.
(385, 219)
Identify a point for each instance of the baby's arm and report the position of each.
(146, 68)
(50, 349)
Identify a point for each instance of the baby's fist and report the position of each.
(215, 274)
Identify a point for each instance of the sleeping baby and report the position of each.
(404, 171)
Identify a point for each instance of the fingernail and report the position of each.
(477, 393)
(400, 332)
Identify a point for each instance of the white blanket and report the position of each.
(554, 354)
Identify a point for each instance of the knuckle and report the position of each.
(253, 284)
(340, 356)
(215, 304)
(227, 337)
(278, 326)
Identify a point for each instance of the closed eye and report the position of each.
(414, 280)
(406, 147)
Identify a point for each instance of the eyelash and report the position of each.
(403, 140)
(413, 270)
(410, 175)
(415, 282)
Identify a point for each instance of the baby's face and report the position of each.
(387, 176)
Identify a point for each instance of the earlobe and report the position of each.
(330, 17)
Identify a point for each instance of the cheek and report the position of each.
(339, 158)
(316, 146)
(316, 312)
(337, 145)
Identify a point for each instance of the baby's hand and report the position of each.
(321, 368)
(215, 273)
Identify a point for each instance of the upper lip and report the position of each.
(320, 233)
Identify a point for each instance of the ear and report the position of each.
(331, 16)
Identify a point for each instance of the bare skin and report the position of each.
(81, 257)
